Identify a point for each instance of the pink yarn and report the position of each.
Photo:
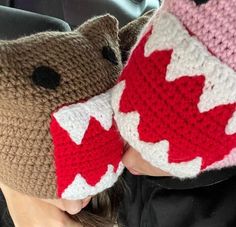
(213, 23)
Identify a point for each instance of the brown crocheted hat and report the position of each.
(57, 137)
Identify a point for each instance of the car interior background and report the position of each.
(24, 17)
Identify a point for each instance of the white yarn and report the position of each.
(229, 160)
(80, 189)
(154, 153)
(191, 58)
(75, 118)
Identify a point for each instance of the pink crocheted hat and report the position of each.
(175, 101)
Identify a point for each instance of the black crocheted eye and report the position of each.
(109, 54)
(46, 77)
(200, 2)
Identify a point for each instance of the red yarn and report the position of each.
(168, 110)
(90, 159)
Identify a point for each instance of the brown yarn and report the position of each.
(129, 33)
(26, 149)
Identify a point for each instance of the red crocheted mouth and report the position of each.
(99, 148)
(169, 111)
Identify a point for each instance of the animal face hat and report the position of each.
(176, 99)
(57, 137)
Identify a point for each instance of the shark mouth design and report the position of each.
(87, 148)
(187, 123)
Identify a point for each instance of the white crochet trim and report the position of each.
(75, 118)
(231, 126)
(229, 160)
(190, 57)
(155, 153)
(80, 189)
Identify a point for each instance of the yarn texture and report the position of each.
(57, 133)
(175, 101)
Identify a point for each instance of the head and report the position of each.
(100, 210)
(137, 165)
(175, 100)
(58, 140)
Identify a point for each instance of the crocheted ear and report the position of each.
(129, 33)
(97, 28)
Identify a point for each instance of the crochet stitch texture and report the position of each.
(47, 78)
(213, 23)
(175, 100)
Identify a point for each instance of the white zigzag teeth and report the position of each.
(80, 189)
(231, 126)
(229, 160)
(191, 58)
(154, 153)
(75, 118)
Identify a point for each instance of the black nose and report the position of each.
(199, 2)
(46, 77)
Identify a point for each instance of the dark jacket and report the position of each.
(206, 201)
(5, 218)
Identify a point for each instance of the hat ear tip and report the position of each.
(111, 23)
(110, 17)
(128, 34)
(102, 24)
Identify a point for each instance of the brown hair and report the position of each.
(102, 211)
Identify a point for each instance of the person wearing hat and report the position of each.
(60, 156)
(58, 141)
(175, 106)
